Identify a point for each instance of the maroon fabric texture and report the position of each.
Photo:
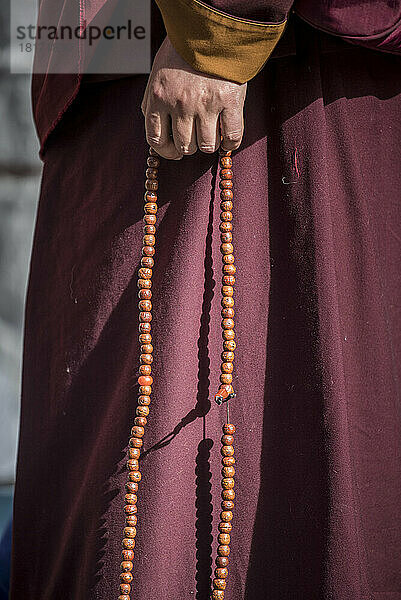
(372, 24)
(318, 366)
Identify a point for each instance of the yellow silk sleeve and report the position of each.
(217, 43)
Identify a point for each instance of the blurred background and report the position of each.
(20, 170)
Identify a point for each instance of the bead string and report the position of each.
(145, 379)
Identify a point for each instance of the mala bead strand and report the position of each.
(145, 379)
(226, 391)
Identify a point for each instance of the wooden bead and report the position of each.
(123, 597)
(226, 205)
(227, 248)
(225, 527)
(145, 338)
(131, 520)
(228, 471)
(125, 588)
(227, 450)
(151, 173)
(148, 229)
(228, 259)
(145, 294)
(145, 273)
(135, 476)
(229, 428)
(130, 486)
(137, 432)
(144, 400)
(142, 411)
(135, 442)
(145, 317)
(150, 196)
(145, 327)
(227, 301)
(226, 237)
(126, 577)
(227, 505)
(227, 290)
(153, 161)
(227, 323)
(145, 369)
(228, 461)
(133, 465)
(222, 561)
(149, 219)
(126, 565)
(130, 509)
(226, 515)
(221, 572)
(226, 162)
(224, 538)
(230, 345)
(227, 356)
(152, 151)
(130, 532)
(227, 483)
(147, 261)
(228, 334)
(144, 283)
(227, 439)
(226, 215)
(226, 225)
(145, 380)
(128, 543)
(227, 367)
(219, 584)
(227, 313)
(225, 184)
(140, 421)
(218, 595)
(147, 348)
(132, 452)
(127, 554)
(223, 550)
(148, 240)
(229, 269)
(148, 251)
(226, 194)
(146, 359)
(151, 209)
(152, 184)
(226, 174)
(226, 378)
(228, 280)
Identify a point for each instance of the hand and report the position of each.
(185, 109)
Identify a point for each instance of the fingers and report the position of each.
(231, 127)
(184, 134)
(158, 134)
(208, 133)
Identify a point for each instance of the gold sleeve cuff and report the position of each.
(217, 43)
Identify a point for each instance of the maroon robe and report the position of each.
(317, 238)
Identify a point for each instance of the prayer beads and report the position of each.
(145, 379)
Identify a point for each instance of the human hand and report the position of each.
(185, 109)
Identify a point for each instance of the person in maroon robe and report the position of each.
(317, 180)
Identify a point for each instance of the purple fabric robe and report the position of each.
(317, 237)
